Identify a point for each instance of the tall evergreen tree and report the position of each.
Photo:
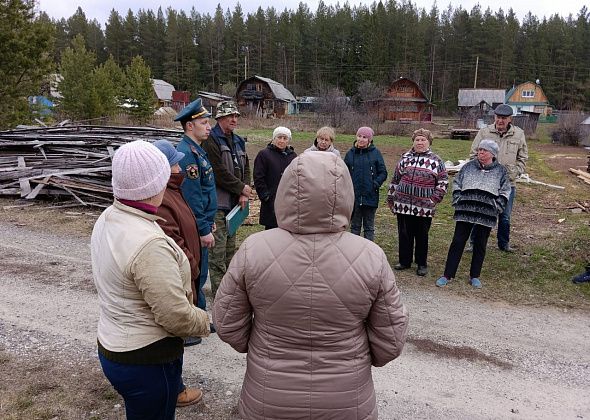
(109, 81)
(114, 35)
(80, 99)
(26, 51)
(140, 90)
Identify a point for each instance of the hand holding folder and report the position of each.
(235, 218)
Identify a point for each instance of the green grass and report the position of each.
(549, 254)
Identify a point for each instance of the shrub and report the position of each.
(568, 131)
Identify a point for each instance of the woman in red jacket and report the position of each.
(178, 222)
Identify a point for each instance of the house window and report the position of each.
(251, 86)
(528, 93)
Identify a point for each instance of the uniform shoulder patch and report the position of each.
(192, 171)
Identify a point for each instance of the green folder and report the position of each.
(235, 218)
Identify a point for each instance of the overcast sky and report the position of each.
(100, 9)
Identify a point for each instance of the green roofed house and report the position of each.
(528, 97)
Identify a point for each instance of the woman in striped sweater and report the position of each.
(480, 193)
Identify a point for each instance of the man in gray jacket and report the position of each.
(513, 154)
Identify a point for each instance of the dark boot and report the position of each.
(583, 277)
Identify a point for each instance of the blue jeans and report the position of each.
(504, 221)
(363, 216)
(150, 391)
(201, 301)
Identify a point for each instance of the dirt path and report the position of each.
(466, 358)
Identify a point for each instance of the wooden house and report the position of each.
(528, 96)
(475, 104)
(163, 91)
(265, 98)
(211, 99)
(404, 101)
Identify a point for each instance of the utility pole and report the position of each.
(476, 65)
(432, 71)
(246, 54)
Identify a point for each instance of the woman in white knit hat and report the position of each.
(144, 288)
(269, 165)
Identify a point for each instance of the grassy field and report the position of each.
(552, 241)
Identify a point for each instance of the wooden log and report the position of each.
(25, 186)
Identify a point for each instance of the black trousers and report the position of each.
(480, 237)
(413, 239)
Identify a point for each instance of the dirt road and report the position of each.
(466, 358)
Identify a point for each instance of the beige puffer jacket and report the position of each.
(313, 305)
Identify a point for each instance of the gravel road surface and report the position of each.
(465, 359)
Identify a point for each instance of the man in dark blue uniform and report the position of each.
(198, 188)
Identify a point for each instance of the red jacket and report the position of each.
(180, 224)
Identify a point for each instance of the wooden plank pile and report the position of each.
(584, 176)
(66, 162)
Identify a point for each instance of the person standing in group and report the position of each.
(324, 141)
(481, 191)
(143, 280)
(313, 305)
(418, 184)
(231, 166)
(198, 188)
(368, 172)
(269, 165)
(178, 222)
(513, 154)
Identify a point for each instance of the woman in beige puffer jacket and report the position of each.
(313, 305)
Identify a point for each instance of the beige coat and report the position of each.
(513, 151)
(313, 305)
(143, 281)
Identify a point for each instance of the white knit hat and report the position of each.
(281, 130)
(140, 171)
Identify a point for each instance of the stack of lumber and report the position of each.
(66, 162)
(584, 176)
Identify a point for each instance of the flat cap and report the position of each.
(503, 110)
(193, 110)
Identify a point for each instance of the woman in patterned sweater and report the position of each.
(480, 193)
(419, 183)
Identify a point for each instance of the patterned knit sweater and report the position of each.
(480, 192)
(418, 184)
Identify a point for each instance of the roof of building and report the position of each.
(513, 89)
(278, 90)
(420, 90)
(163, 89)
(214, 96)
(473, 97)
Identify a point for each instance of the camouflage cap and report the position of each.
(225, 108)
